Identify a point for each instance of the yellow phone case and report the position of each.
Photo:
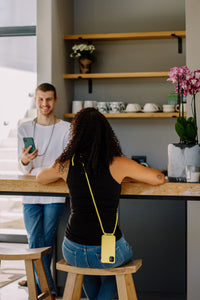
(108, 248)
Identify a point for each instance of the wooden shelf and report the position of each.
(133, 115)
(117, 75)
(128, 36)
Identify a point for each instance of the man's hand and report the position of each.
(27, 157)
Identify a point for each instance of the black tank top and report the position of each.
(83, 226)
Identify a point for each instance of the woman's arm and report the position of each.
(52, 173)
(124, 167)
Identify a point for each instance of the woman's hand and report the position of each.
(27, 157)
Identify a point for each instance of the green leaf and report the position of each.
(190, 133)
(191, 121)
(182, 121)
(180, 129)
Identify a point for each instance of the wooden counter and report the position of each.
(22, 185)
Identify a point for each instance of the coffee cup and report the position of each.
(181, 107)
(102, 107)
(192, 173)
(114, 107)
(168, 107)
(133, 107)
(76, 106)
(151, 107)
(122, 106)
(89, 103)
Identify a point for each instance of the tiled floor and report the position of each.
(13, 291)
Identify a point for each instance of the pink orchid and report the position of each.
(187, 82)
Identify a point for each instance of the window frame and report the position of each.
(10, 31)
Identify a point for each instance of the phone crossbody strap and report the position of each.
(88, 182)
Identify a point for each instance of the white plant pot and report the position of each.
(179, 156)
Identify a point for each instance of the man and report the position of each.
(50, 135)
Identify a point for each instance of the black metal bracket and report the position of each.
(89, 84)
(180, 48)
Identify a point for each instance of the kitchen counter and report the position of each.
(26, 184)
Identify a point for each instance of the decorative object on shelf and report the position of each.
(85, 65)
(187, 151)
(85, 53)
(172, 99)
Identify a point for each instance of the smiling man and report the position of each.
(50, 136)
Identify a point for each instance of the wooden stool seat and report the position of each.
(123, 275)
(32, 257)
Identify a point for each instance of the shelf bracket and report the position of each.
(180, 48)
(90, 86)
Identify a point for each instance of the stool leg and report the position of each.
(73, 287)
(30, 274)
(42, 279)
(126, 287)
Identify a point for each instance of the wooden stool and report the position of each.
(123, 275)
(9, 251)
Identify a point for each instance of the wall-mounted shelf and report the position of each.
(128, 36)
(124, 36)
(117, 75)
(133, 115)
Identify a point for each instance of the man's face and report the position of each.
(45, 102)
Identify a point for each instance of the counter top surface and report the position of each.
(27, 184)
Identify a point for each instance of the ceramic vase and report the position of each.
(85, 65)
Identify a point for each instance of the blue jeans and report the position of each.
(83, 256)
(41, 222)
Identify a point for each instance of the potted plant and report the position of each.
(85, 53)
(187, 151)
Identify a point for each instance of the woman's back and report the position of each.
(83, 226)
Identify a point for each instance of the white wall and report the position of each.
(54, 19)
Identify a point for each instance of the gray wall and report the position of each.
(148, 137)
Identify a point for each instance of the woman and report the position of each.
(93, 148)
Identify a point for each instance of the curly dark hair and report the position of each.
(92, 139)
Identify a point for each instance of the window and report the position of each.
(18, 73)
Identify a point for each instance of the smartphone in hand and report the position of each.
(29, 141)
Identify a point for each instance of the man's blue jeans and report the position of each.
(41, 222)
(83, 256)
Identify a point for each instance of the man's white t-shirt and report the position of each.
(56, 146)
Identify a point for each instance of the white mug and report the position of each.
(89, 103)
(122, 106)
(183, 107)
(168, 107)
(76, 106)
(102, 107)
(114, 107)
(133, 107)
(151, 107)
